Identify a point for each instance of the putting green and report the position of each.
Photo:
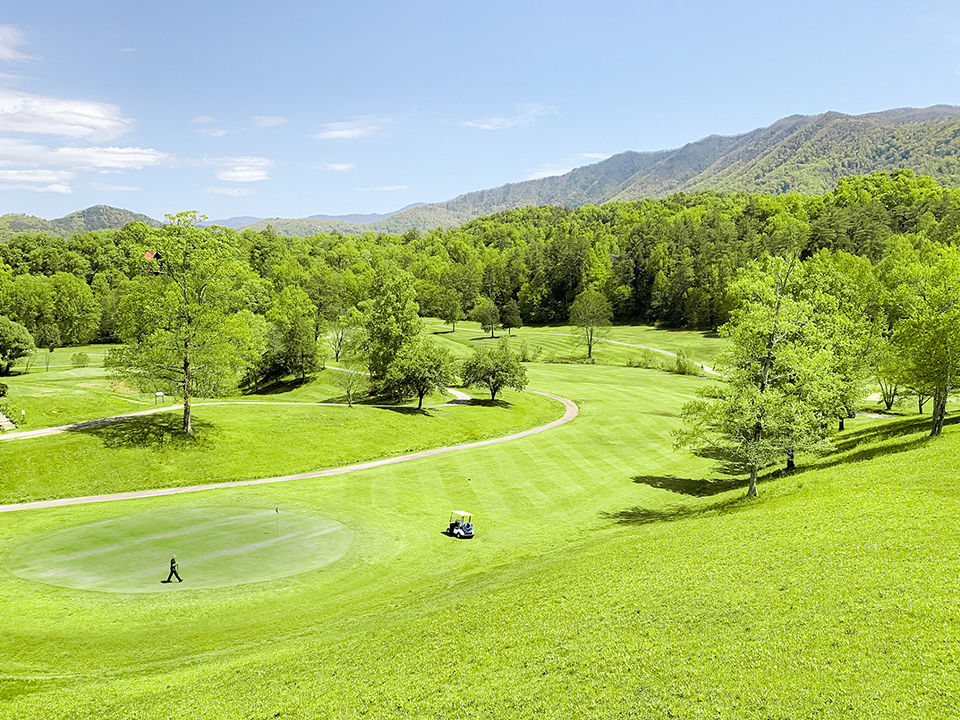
(215, 547)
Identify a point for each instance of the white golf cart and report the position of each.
(461, 525)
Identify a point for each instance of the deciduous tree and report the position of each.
(495, 369)
(591, 314)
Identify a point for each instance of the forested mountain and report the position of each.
(807, 154)
(98, 217)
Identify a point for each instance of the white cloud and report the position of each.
(25, 113)
(350, 130)
(55, 188)
(235, 192)
(114, 188)
(338, 167)
(527, 114)
(212, 132)
(203, 119)
(128, 49)
(36, 176)
(388, 188)
(242, 168)
(14, 151)
(266, 121)
(594, 156)
(10, 39)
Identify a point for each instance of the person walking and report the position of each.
(173, 570)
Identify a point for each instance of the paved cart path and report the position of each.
(570, 412)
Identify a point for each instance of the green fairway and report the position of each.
(621, 345)
(611, 576)
(217, 547)
(245, 441)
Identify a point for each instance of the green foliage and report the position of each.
(15, 343)
(928, 334)
(390, 320)
(494, 368)
(79, 360)
(486, 313)
(591, 312)
(419, 368)
(777, 369)
(183, 327)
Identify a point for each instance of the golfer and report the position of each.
(173, 570)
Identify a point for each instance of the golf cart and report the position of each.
(461, 525)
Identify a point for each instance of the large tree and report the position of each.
(15, 343)
(495, 369)
(293, 314)
(185, 329)
(421, 367)
(591, 314)
(390, 319)
(777, 370)
(486, 313)
(928, 334)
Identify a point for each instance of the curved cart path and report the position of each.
(570, 412)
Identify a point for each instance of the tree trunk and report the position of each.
(420, 401)
(939, 411)
(841, 423)
(187, 427)
(921, 401)
(790, 462)
(752, 490)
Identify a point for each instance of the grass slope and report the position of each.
(610, 578)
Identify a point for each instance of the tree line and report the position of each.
(675, 262)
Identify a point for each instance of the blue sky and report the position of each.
(289, 109)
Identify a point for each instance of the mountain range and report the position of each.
(800, 153)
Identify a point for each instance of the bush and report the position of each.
(80, 360)
(528, 355)
(682, 365)
(3, 389)
(647, 359)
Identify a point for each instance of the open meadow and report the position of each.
(611, 576)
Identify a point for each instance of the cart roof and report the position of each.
(461, 513)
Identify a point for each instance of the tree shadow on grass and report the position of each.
(405, 410)
(646, 516)
(690, 486)
(278, 387)
(149, 432)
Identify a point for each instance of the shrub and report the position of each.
(530, 355)
(682, 365)
(3, 389)
(79, 359)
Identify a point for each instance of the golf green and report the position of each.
(215, 547)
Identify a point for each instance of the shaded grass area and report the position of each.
(235, 442)
(833, 595)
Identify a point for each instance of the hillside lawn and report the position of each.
(611, 577)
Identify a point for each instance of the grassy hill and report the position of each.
(611, 577)
(98, 217)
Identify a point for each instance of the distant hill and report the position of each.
(98, 217)
(312, 224)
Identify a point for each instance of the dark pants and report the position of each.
(173, 571)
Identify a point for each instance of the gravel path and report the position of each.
(570, 412)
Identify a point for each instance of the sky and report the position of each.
(290, 109)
